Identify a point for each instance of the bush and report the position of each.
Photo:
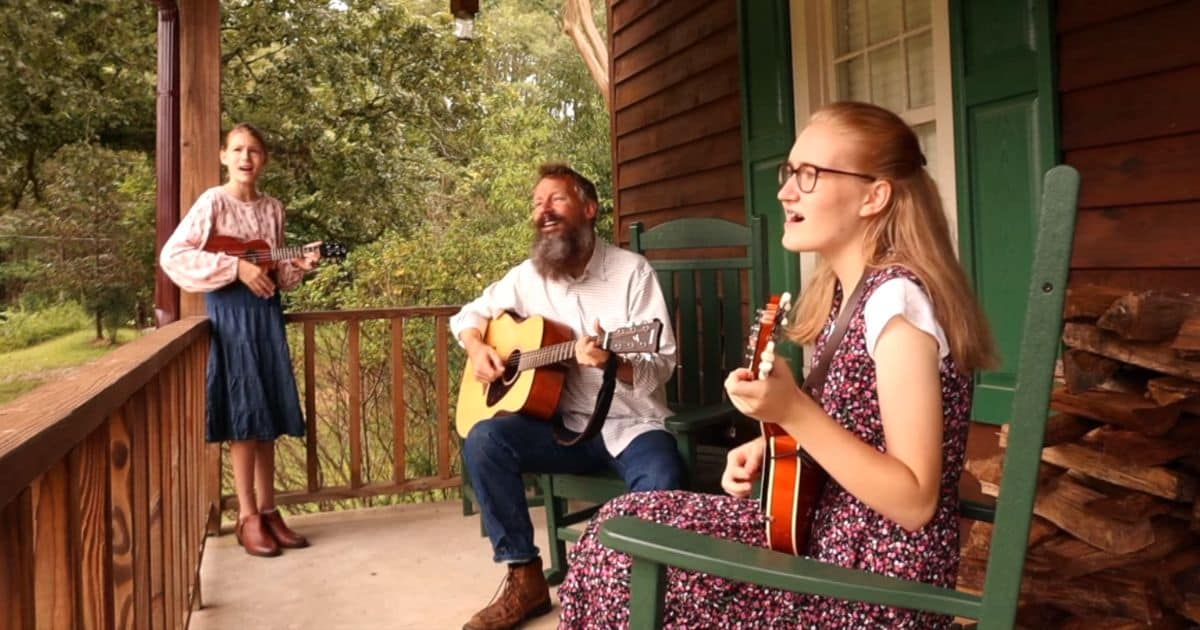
(24, 328)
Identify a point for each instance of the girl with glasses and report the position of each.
(888, 425)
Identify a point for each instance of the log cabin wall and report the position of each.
(677, 141)
(1129, 83)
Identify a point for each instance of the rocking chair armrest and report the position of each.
(692, 419)
(664, 545)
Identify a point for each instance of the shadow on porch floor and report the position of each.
(418, 566)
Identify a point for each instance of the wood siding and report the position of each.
(1129, 82)
(677, 139)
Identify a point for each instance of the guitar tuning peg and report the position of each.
(764, 369)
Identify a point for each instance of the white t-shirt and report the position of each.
(901, 297)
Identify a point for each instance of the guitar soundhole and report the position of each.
(500, 386)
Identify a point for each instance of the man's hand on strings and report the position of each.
(486, 362)
(588, 351)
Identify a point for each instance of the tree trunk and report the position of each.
(579, 25)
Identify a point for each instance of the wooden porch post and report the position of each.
(166, 294)
(200, 167)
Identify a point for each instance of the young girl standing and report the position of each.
(251, 389)
(891, 426)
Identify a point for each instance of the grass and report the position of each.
(24, 369)
(13, 389)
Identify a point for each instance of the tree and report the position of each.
(365, 107)
(535, 103)
(95, 229)
(71, 71)
(579, 24)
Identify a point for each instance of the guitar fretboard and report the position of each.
(282, 253)
(542, 357)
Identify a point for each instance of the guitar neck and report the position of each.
(548, 355)
(275, 255)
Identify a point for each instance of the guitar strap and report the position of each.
(603, 400)
(814, 383)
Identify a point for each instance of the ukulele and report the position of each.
(791, 481)
(262, 254)
(532, 382)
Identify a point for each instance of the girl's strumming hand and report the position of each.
(742, 467)
(255, 279)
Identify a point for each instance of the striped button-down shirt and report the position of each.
(619, 288)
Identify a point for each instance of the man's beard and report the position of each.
(555, 254)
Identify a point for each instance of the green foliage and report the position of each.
(11, 390)
(533, 102)
(23, 328)
(95, 224)
(71, 72)
(363, 108)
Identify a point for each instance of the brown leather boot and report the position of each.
(253, 536)
(288, 539)
(525, 595)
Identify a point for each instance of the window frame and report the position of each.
(813, 58)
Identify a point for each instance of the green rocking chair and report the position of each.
(708, 269)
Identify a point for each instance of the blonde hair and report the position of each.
(911, 232)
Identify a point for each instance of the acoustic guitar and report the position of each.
(791, 481)
(262, 254)
(533, 350)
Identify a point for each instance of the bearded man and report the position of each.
(578, 280)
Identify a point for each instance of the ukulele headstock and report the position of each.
(333, 249)
(769, 322)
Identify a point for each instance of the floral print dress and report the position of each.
(845, 532)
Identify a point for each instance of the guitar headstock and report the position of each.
(333, 249)
(764, 332)
(634, 339)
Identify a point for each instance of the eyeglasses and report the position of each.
(808, 174)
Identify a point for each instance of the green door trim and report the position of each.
(768, 131)
(1006, 138)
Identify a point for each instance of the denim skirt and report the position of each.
(251, 387)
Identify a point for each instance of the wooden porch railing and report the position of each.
(411, 351)
(102, 490)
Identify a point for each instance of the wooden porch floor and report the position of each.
(419, 566)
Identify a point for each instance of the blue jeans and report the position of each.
(500, 450)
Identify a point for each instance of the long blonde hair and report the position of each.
(910, 232)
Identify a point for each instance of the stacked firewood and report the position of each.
(1116, 527)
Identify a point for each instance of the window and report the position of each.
(883, 54)
(894, 53)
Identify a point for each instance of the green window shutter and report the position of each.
(768, 131)
(1005, 139)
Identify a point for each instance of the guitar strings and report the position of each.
(261, 256)
(541, 356)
